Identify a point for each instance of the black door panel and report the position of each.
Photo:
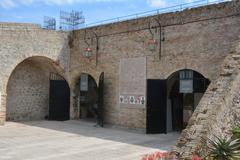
(156, 106)
(59, 102)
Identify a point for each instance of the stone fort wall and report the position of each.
(218, 111)
(20, 42)
(200, 39)
(197, 39)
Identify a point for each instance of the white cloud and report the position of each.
(27, 2)
(157, 3)
(8, 3)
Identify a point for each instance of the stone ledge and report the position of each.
(19, 26)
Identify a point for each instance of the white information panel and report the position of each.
(84, 82)
(186, 86)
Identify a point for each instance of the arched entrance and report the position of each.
(171, 101)
(88, 97)
(33, 92)
(185, 89)
(91, 97)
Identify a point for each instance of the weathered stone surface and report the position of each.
(28, 86)
(200, 42)
(201, 39)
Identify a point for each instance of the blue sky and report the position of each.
(33, 11)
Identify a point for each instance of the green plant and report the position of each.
(224, 149)
(236, 132)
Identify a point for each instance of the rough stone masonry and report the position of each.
(203, 39)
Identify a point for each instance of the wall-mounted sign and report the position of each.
(186, 86)
(84, 82)
(132, 99)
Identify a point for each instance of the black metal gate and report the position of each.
(100, 99)
(156, 106)
(59, 98)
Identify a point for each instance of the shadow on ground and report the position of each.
(88, 129)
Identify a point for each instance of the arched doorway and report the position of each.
(32, 92)
(185, 89)
(88, 98)
(171, 101)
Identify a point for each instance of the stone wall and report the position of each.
(22, 41)
(28, 93)
(218, 112)
(197, 39)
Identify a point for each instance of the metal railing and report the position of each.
(170, 9)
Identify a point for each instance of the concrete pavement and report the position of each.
(76, 140)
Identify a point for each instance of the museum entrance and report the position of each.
(171, 102)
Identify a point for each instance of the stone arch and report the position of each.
(59, 67)
(76, 85)
(181, 105)
(75, 76)
(204, 73)
(27, 88)
(88, 98)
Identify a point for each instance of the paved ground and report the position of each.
(76, 140)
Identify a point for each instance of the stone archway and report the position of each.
(185, 89)
(171, 101)
(28, 89)
(75, 85)
(88, 97)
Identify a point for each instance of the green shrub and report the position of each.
(224, 149)
(236, 132)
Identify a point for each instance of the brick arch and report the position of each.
(76, 76)
(200, 71)
(40, 64)
(74, 84)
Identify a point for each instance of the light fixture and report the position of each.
(152, 45)
(87, 52)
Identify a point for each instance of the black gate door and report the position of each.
(59, 100)
(101, 99)
(156, 106)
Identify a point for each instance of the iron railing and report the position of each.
(170, 9)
